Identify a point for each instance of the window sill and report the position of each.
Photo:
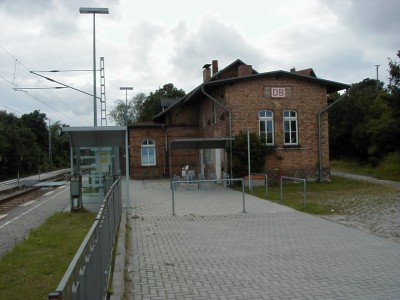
(291, 147)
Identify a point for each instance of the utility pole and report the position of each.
(50, 153)
(94, 11)
(377, 72)
(126, 89)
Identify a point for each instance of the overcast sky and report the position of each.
(146, 44)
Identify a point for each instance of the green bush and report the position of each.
(258, 154)
(390, 165)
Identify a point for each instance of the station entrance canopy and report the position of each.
(95, 157)
(197, 143)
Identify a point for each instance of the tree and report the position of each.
(123, 114)
(357, 124)
(366, 126)
(24, 144)
(36, 121)
(394, 100)
(258, 154)
(394, 76)
(9, 138)
(60, 145)
(152, 107)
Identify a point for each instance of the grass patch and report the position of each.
(35, 266)
(388, 168)
(325, 198)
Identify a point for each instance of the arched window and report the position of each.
(148, 153)
(266, 126)
(290, 127)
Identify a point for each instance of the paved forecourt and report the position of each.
(211, 250)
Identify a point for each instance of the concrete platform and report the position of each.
(51, 183)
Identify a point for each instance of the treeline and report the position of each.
(142, 107)
(25, 147)
(364, 126)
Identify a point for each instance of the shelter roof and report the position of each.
(97, 136)
(199, 143)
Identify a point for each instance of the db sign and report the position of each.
(278, 92)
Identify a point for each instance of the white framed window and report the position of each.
(148, 151)
(290, 127)
(266, 126)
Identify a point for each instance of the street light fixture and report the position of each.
(126, 89)
(94, 11)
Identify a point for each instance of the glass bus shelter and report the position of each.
(98, 156)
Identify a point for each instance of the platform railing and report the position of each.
(89, 272)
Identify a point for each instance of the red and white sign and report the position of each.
(278, 92)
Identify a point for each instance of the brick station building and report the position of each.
(281, 106)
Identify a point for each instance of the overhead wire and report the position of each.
(16, 111)
(17, 88)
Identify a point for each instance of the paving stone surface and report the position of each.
(210, 249)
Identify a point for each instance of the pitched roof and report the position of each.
(225, 72)
(331, 86)
(306, 72)
(224, 77)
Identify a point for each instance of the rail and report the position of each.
(304, 188)
(200, 181)
(89, 271)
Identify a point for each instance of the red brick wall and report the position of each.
(247, 98)
(216, 120)
(161, 136)
(136, 137)
(181, 158)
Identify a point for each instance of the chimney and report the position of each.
(292, 70)
(245, 70)
(206, 72)
(214, 67)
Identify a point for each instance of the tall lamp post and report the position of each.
(126, 89)
(94, 11)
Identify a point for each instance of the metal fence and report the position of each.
(89, 271)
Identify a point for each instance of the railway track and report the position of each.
(23, 195)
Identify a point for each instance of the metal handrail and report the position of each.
(89, 271)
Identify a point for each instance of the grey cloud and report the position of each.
(378, 20)
(142, 39)
(212, 40)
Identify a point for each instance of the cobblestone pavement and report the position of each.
(376, 212)
(211, 250)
